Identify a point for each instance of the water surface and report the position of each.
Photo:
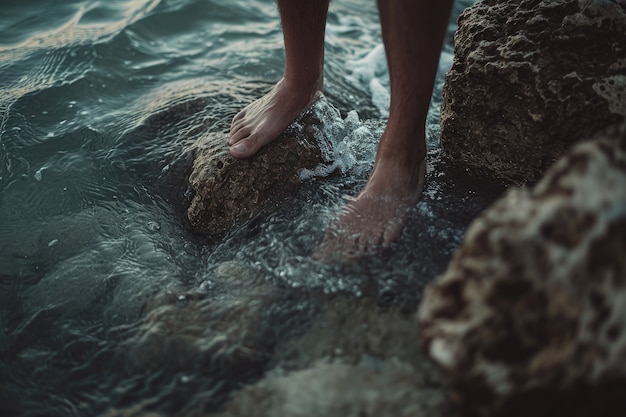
(99, 104)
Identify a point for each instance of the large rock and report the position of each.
(529, 79)
(229, 191)
(530, 317)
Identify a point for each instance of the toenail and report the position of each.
(238, 148)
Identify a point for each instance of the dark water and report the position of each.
(99, 103)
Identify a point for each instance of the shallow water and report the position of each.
(99, 104)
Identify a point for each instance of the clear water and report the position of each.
(99, 102)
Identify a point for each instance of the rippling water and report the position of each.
(99, 102)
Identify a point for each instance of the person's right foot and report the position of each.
(370, 222)
(265, 119)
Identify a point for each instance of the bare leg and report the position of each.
(303, 23)
(413, 32)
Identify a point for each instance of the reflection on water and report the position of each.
(107, 301)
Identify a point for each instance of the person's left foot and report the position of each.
(376, 217)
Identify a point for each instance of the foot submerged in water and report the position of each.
(369, 223)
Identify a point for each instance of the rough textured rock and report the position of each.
(228, 191)
(529, 79)
(529, 318)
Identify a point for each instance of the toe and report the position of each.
(246, 147)
(239, 150)
(235, 127)
(391, 233)
(238, 117)
(371, 242)
(239, 132)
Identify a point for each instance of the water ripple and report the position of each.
(108, 305)
(80, 27)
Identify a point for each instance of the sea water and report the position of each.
(95, 127)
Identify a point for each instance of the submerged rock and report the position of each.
(336, 389)
(356, 359)
(228, 191)
(529, 318)
(227, 332)
(529, 79)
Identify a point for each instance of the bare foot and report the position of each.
(265, 119)
(376, 217)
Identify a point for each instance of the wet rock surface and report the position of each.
(228, 191)
(225, 328)
(530, 79)
(343, 355)
(356, 358)
(334, 388)
(529, 317)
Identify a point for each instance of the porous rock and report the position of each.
(228, 191)
(529, 79)
(529, 318)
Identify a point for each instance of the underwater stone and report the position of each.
(529, 80)
(528, 319)
(355, 359)
(223, 332)
(228, 191)
(337, 389)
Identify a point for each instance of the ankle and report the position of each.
(303, 85)
(405, 155)
(406, 164)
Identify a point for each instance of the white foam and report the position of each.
(369, 73)
(347, 145)
(380, 96)
(39, 174)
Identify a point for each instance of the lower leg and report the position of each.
(303, 23)
(413, 32)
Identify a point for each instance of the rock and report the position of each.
(137, 410)
(354, 359)
(353, 328)
(225, 330)
(529, 79)
(276, 351)
(333, 388)
(529, 318)
(229, 191)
